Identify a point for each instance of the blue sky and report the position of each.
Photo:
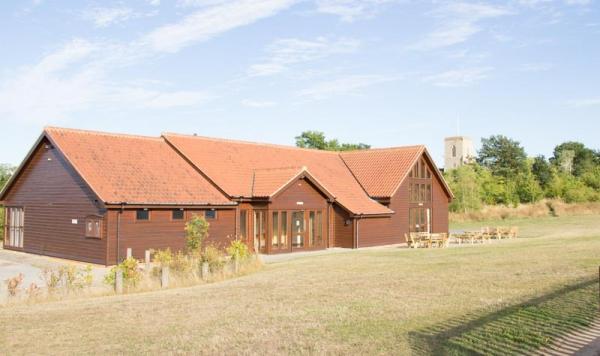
(383, 72)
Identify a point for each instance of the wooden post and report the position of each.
(164, 277)
(147, 260)
(205, 271)
(129, 253)
(119, 281)
(236, 266)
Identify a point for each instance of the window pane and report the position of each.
(319, 228)
(428, 192)
(283, 238)
(311, 228)
(298, 229)
(177, 214)
(142, 214)
(243, 224)
(263, 229)
(210, 214)
(275, 235)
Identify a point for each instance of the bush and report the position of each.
(71, 277)
(214, 257)
(196, 231)
(182, 263)
(131, 273)
(238, 250)
(163, 257)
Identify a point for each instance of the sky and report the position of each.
(382, 72)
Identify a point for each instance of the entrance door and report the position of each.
(298, 230)
(15, 220)
(420, 220)
(260, 231)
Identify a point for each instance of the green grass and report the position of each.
(507, 297)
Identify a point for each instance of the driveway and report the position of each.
(31, 266)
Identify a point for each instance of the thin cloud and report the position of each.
(344, 86)
(210, 22)
(351, 10)
(459, 78)
(536, 67)
(459, 22)
(105, 16)
(258, 103)
(287, 52)
(584, 103)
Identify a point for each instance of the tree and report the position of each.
(575, 158)
(317, 140)
(503, 156)
(542, 171)
(6, 172)
(465, 185)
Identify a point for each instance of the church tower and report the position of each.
(458, 150)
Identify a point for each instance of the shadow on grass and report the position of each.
(519, 329)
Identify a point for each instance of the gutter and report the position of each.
(119, 228)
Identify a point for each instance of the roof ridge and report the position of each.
(218, 139)
(395, 148)
(101, 133)
(280, 168)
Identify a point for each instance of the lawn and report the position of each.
(500, 298)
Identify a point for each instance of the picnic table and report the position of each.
(427, 239)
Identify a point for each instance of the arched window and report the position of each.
(453, 150)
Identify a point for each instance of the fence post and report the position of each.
(164, 277)
(205, 271)
(119, 281)
(236, 266)
(147, 259)
(129, 252)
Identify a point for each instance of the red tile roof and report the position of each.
(232, 166)
(380, 171)
(134, 169)
(267, 182)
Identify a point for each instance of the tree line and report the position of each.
(502, 173)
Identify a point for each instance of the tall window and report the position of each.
(319, 228)
(283, 238)
(311, 228)
(453, 150)
(275, 225)
(243, 224)
(15, 223)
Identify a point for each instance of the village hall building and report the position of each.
(89, 196)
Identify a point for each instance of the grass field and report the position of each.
(500, 298)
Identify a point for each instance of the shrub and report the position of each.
(12, 284)
(131, 273)
(238, 250)
(70, 276)
(181, 263)
(214, 257)
(196, 231)
(163, 257)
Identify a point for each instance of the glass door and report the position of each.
(298, 230)
(260, 231)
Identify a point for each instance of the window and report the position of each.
(453, 150)
(15, 221)
(284, 225)
(275, 236)
(210, 214)
(319, 228)
(93, 227)
(142, 215)
(260, 229)
(243, 224)
(428, 197)
(177, 214)
(311, 228)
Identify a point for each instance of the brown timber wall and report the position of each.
(387, 231)
(161, 232)
(343, 235)
(52, 195)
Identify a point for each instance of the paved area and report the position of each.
(31, 266)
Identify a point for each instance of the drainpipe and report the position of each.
(119, 230)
